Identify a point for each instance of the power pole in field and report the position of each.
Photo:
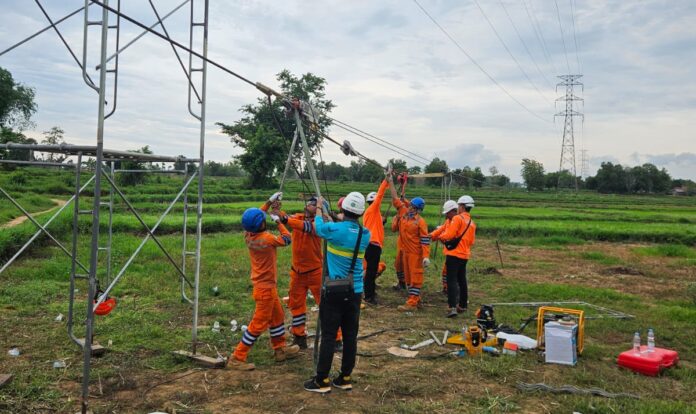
(568, 146)
(584, 164)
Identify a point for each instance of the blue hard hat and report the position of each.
(253, 219)
(418, 203)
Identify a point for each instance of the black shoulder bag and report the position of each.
(453, 243)
(342, 289)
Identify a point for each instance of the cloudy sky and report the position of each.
(393, 73)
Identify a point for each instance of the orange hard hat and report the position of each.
(105, 307)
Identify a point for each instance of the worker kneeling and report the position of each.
(269, 312)
(341, 291)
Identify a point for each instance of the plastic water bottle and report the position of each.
(651, 340)
(233, 325)
(636, 343)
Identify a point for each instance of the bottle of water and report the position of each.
(636, 343)
(651, 340)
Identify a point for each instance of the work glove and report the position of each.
(276, 197)
(275, 217)
(426, 262)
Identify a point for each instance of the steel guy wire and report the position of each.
(492, 79)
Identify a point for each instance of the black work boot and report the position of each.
(300, 341)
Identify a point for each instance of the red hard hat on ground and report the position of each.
(105, 307)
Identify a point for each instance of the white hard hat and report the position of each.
(466, 200)
(371, 197)
(354, 203)
(449, 206)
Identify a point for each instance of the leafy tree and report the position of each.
(398, 165)
(502, 180)
(133, 178)
(218, 169)
(266, 148)
(436, 166)
(7, 136)
(415, 170)
(16, 103)
(611, 178)
(477, 177)
(533, 174)
(54, 136)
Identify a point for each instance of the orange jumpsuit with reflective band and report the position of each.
(398, 260)
(306, 270)
(268, 313)
(454, 229)
(415, 246)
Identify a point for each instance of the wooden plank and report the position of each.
(203, 360)
(97, 350)
(426, 175)
(5, 379)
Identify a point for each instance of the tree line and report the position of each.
(610, 178)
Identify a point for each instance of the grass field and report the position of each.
(634, 254)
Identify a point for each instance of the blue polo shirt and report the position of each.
(341, 238)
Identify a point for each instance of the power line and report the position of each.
(540, 35)
(378, 138)
(507, 49)
(575, 39)
(492, 79)
(548, 82)
(558, 13)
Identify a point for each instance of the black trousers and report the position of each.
(335, 313)
(457, 289)
(372, 256)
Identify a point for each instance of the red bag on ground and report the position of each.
(648, 363)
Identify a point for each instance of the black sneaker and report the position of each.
(399, 286)
(300, 341)
(452, 313)
(371, 301)
(339, 347)
(312, 385)
(343, 382)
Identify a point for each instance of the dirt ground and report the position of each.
(434, 382)
(21, 219)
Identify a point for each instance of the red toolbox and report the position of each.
(648, 363)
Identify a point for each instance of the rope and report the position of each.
(569, 389)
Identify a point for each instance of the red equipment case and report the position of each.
(648, 363)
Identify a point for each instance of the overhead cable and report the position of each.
(560, 26)
(519, 36)
(539, 35)
(507, 49)
(492, 79)
(575, 39)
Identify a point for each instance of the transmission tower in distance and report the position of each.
(584, 164)
(568, 147)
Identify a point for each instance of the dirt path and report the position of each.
(21, 219)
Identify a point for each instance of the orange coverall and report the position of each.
(454, 228)
(433, 237)
(398, 261)
(415, 246)
(269, 312)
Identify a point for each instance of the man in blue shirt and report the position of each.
(340, 305)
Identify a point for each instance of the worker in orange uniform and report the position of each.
(306, 268)
(415, 246)
(268, 313)
(449, 209)
(458, 236)
(401, 281)
(372, 220)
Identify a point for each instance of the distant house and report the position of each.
(680, 191)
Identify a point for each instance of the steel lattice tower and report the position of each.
(568, 147)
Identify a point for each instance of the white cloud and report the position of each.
(392, 73)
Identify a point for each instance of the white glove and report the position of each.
(275, 217)
(426, 262)
(276, 197)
